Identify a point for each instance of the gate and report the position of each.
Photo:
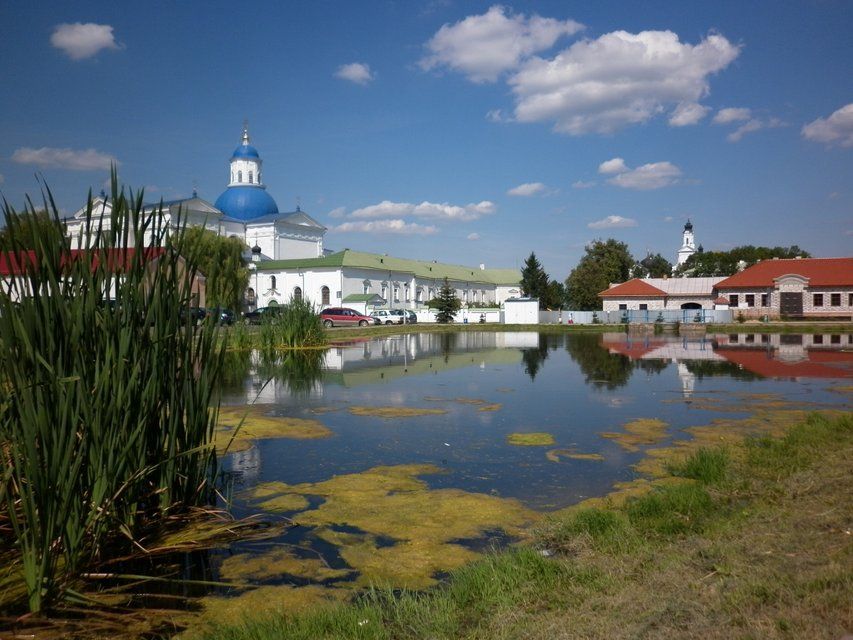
(791, 304)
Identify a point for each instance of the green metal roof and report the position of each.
(419, 268)
(363, 297)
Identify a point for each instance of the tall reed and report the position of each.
(105, 419)
(296, 325)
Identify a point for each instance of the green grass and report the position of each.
(707, 466)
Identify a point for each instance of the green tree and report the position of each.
(221, 261)
(605, 262)
(727, 263)
(554, 296)
(534, 280)
(22, 229)
(446, 303)
(653, 266)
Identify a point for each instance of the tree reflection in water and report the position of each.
(601, 368)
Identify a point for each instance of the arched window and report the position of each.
(251, 177)
(406, 292)
(272, 282)
(396, 293)
(250, 296)
(365, 286)
(324, 295)
(384, 293)
(239, 176)
(232, 176)
(297, 293)
(419, 294)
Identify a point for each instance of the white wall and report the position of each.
(521, 311)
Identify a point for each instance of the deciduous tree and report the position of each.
(605, 262)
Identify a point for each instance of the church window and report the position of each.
(365, 286)
(272, 282)
(324, 295)
(250, 296)
(297, 293)
(396, 293)
(419, 294)
(239, 176)
(406, 293)
(259, 177)
(251, 177)
(384, 290)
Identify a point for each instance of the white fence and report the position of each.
(715, 316)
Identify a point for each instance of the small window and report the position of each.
(259, 177)
(733, 300)
(406, 293)
(272, 282)
(850, 299)
(817, 340)
(764, 301)
(733, 338)
(297, 293)
(396, 294)
(643, 307)
(623, 307)
(817, 300)
(765, 339)
(834, 299)
(250, 296)
(251, 177)
(324, 295)
(384, 290)
(365, 287)
(750, 299)
(239, 176)
(750, 337)
(835, 339)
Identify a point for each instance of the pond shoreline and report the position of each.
(749, 539)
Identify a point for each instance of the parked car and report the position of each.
(220, 315)
(411, 317)
(343, 316)
(264, 314)
(389, 316)
(195, 314)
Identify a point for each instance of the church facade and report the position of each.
(287, 256)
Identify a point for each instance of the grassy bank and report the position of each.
(748, 541)
(393, 330)
(782, 327)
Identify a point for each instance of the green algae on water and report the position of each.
(535, 439)
(556, 455)
(391, 503)
(257, 424)
(394, 412)
(643, 431)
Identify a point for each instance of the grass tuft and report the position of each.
(706, 466)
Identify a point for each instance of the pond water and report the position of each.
(399, 459)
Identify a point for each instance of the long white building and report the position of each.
(288, 258)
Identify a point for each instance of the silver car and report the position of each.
(389, 316)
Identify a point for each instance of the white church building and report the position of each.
(288, 258)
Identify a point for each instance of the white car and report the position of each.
(390, 316)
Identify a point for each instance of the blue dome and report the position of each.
(245, 151)
(245, 202)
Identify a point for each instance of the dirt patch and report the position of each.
(535, 439)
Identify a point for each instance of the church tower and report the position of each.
(246, 197)
(688, 244)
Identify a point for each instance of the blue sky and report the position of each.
(466, 132)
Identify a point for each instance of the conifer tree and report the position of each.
(446, 303)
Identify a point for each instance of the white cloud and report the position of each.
(668, 218)
(76, 160)
(80, 40)
(496, 115)
(337, 212)
(654, 175)
(580, 184)
(612, 222)
(732, 114)
(527, 189)
(752, 126)
(431, 210)
(687, 113)
(397, 227)
(473, 236)
(615, 165)
(484, 46)
(837, 128)
(357, 72)
(618, 79)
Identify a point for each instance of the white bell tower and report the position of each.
(688, 244)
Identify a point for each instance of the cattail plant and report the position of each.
(107, 394)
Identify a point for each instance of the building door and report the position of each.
(791, 303)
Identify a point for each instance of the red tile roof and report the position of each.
(632, 288)
(818, 364)
(821, 272)
(117, 259)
